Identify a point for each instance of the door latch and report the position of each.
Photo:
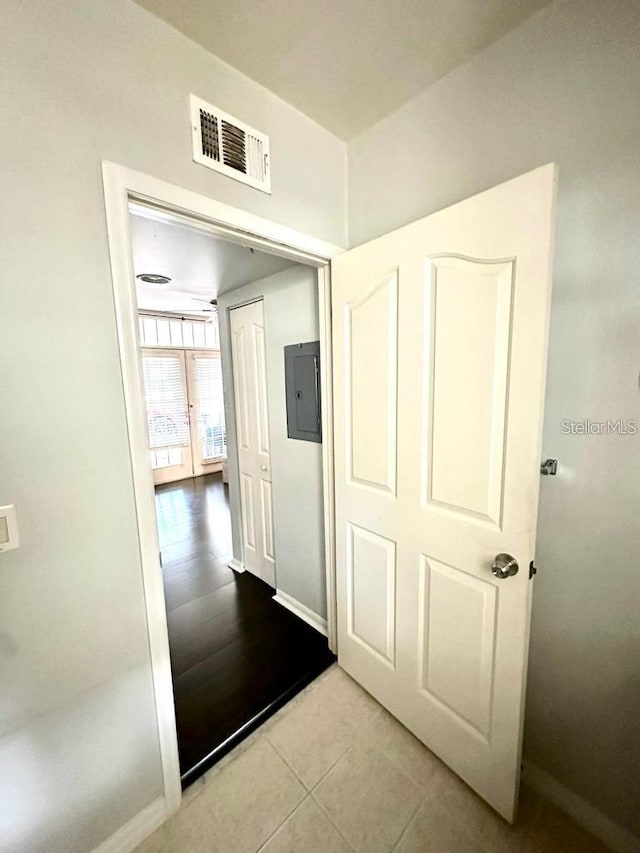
(549, 467)
(532, 570)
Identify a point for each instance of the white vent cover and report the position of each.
(227, 145)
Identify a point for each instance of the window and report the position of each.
(166, 332)
(210, 406)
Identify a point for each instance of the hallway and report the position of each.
(236, 655)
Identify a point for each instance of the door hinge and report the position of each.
(532, 570)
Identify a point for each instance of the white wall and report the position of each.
(81, 82)
(290, 317)
(564, 86)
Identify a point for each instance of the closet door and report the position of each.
(166, 400)
(254, 449)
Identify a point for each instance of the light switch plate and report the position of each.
(9, 538)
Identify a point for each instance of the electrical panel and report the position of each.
(302, 381)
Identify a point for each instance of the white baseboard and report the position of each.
(614, 836)
(302, 611)
(236, 565)
(134, 832)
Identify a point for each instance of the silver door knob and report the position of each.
(504, 566)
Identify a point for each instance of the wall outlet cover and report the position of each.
(9, 538)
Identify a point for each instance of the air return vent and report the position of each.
(227, 145)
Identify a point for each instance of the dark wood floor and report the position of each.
(236, 655)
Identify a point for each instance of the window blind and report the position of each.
(208, 375)
(166, 401)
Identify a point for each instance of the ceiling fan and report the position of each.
(212, 303)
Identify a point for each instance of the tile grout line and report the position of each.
(359, 742)
(424, 795)
(284, 760)
(328, 772)
(310, 790)
(394, 759)
(412, 819)
(308, 793)
(397, 763)
(332, 822)
(313, 787)
(340, 757)
(321, 805)
(282, 823)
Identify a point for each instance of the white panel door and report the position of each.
(166, 401)
(440, 340)
(206, 408)
(252, 426)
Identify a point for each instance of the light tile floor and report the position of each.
(332, 772)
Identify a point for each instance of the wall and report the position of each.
(564, 86)
(81, 82)
(290, 317)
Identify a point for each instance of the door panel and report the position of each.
(206, 406)
(371, 385)
(254, 447)
(371, 573)
(248, 519)
(439, 348)
(267, 520)
(264, 441)
(469, 364)
(462, 683)
(166, 401)
(240, 353)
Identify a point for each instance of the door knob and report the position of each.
(504, 566)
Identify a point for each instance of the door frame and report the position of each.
(169, 202)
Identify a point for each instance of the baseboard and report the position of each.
(134, 832)
(236, 565)
(212, 467)
(302, 611)
(614, 836)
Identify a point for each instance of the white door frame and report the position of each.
(122, 186)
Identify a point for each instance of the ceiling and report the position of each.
(345, 63)
(199, 265)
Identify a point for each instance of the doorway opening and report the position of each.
(390, 345)
(239, 504)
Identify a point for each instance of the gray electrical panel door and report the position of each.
(302, 380)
